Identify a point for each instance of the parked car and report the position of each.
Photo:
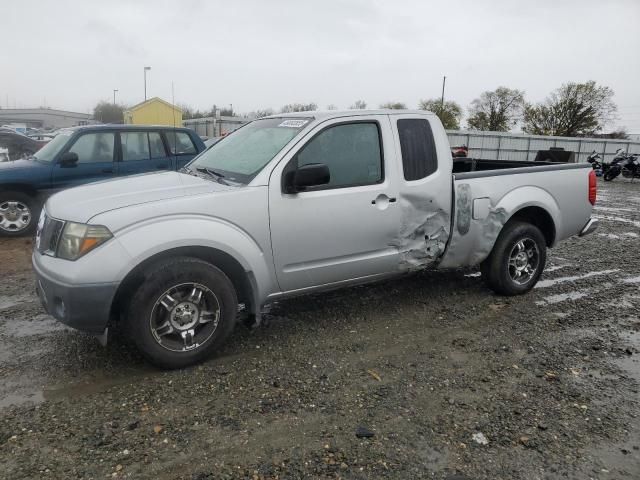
(293, 204)
(86, 154)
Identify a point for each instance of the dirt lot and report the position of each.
(451, 380)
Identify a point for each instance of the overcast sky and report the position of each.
(259, 54)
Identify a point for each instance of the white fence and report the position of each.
(515, 146)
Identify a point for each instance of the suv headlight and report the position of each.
(78, 239)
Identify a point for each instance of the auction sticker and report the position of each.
(294, 123)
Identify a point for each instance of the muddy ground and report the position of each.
(452, 381)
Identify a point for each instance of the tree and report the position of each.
(359, 105)
(496, 111)
(107, 112)
(298, 107)
(573, 110)
(331, 106)
(394, 105)
(263, 113)
(449, 113)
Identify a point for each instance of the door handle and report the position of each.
(382, 198)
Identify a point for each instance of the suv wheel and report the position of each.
(517, 259)
(182, 313)
(18, 214)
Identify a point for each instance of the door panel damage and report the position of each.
(423, 233)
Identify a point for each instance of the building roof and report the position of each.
(153, 99)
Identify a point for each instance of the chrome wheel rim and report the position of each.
(185, 317)
(524, 261)
(15, 216)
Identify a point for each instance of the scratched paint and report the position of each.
(463, 208)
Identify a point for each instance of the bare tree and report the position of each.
(394, 105)
(496, 111)
(331, 106)
(449, 113)
(299, 107)
(359, 105)
(573, 110)
(263, 113)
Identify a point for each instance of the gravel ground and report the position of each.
(440, 377)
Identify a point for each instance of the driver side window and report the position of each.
(94, 147)
(351, 151)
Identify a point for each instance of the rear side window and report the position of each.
(156, 145)
(351, 151)
(180, 143)
(419, 159)
(94, 147)
(135, 146)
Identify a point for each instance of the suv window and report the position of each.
(156, 145)
(351, 151)
(419, 158)
(94, 147)
(180, 143)
(135, 146)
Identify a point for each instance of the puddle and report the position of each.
(563, 297)
(554, 281)
(635, 223)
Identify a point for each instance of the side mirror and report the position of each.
(68, 160)
(310, 175)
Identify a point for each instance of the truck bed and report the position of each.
(493, 167)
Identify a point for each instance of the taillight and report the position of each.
(593, 187)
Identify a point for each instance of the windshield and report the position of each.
(51, 149)
(240, 156)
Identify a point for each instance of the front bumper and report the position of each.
(589, 227)
(83, 307)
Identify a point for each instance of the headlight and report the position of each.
(78, 239)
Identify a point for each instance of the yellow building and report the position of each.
(154, 111)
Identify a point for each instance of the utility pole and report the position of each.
(114, 96)
(145, 82)
(444, 79)
(231, 108)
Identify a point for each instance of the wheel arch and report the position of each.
(19, 187)
(539, 217)
(243, 281)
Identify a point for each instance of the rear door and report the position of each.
(344, 230)
(96, 153)
(142, 151)
(181, 147)
(425, 189)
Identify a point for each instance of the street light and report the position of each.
(114, 96)
(145, 82)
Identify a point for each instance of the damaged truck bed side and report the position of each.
(293, 204)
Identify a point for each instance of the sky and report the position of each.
(264, 54)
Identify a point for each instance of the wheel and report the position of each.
(182, 313)
(610, 176)
(517, 259)
(18, 214)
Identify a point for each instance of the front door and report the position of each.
(95, 152)
(181, 147)
(346, 229)
(142, 151)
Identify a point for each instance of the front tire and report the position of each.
(182, 313)
(19, 214)
(517, 259)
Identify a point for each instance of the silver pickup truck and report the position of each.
(289, 205)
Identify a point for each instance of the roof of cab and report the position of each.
(120, 126)
(324, 115)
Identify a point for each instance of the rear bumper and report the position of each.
(83, 307)
(589, 227)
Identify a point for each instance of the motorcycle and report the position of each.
(615, 167)
(631, 167)
(596, 163)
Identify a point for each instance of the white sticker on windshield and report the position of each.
(294, 123)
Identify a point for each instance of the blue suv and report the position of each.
(86, 154)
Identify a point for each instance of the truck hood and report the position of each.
(81, 203)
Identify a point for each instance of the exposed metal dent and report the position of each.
(423, 234)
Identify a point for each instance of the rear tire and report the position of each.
(609, 176)
(517, 259)
(19, 214)
(182, 313)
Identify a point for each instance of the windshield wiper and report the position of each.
(212, 173)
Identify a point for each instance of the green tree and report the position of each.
(107, 112)
(394, 105)
(359, 105)
(573, 110)
(299, 107)
(449, 113)
(496, 111)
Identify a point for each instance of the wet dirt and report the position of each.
(451, 380)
